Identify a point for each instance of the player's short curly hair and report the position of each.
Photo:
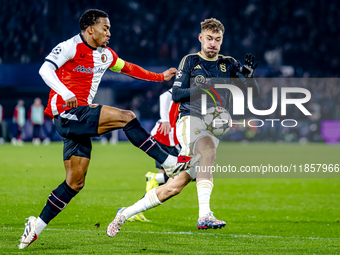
(213, 25)
(91, 17)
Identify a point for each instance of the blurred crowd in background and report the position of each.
(302, 34)
(289, 39)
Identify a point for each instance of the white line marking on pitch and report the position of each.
(193, 233)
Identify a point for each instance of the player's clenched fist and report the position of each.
(168, 74)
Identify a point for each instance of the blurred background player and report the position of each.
(193, 137)
(19, 120)
(73, 71)
(36, 115)
(164, 132)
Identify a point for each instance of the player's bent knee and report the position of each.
(75, 183)
(129, 115)
(77, 186)
(111, 114)
(80, 186)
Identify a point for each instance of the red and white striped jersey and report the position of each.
(168, 112)
(80, 68)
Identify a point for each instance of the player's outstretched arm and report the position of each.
(168, 74)
(140, 73)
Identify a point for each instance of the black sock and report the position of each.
(57, 201)
(140, 138)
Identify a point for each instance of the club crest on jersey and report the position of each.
(104, 58)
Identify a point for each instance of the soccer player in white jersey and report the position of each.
(73, 71)
(194, 139)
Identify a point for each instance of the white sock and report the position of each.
(149, 201)
(170, 161)
(160, 178)
(40, 225)
(204, 189)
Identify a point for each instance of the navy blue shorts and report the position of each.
(170, 150)
(77, 126)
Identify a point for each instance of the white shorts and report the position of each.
(189, 130)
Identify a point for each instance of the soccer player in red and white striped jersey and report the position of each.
(73, 71)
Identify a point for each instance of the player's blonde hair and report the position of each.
(213, 25)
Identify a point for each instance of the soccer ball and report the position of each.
(217, 121)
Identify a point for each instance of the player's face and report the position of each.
(101, 32)
(210, 43)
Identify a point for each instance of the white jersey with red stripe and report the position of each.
(80, 68)
(168, 112)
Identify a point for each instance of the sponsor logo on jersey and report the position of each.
(177, 83)
(223, 68)
(94, 70)
(198, 67)
(104, 58)
(82, 55)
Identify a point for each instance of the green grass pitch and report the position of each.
(263, 215)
